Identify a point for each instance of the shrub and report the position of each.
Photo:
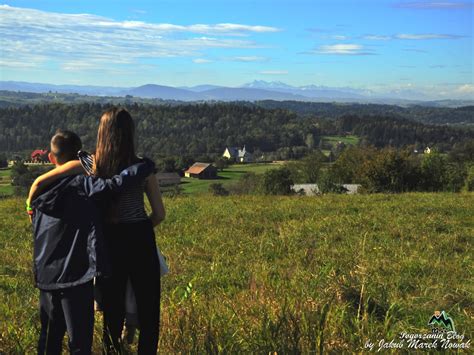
(277, 182)
(218, 190)
(248, 184)
(469, 182)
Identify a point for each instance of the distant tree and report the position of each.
(248, 184)
(23, 177)
(3, 161)
(463, 152)
(277, 182)
(433, 172)
(349, 166)
(310, 141)
(221, 163)
(391, 171)
(167, 165)
(469, 181)
(218, 190)
(184, 162)
(307, 169)
(326, 184)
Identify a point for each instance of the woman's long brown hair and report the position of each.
(115, 148)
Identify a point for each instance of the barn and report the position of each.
(201, 171)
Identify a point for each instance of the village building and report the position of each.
(39, 156)
(201, 171)
(168, 179)
(238, 155)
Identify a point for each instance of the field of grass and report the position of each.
(258, 274)
(227, 177)
(348, 140)
(5, 183)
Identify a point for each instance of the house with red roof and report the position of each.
(201, 171)
(40, 156)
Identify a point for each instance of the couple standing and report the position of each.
(95, 225)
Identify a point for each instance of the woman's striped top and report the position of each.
(129, 205)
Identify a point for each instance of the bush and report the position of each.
(248, 184)
(218, 190)
(326, 184)
(3, 161)
(469, 182)
(307, 170)
(23, 177)
(277, 182)
(392, 171)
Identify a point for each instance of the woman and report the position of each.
(129, 235)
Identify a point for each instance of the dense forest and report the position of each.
(425, 114)
(206, 129)
(430, 112)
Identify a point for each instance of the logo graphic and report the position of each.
(441, 322)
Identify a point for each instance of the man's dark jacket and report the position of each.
(67, 227)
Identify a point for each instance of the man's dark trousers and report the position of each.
(72, 310)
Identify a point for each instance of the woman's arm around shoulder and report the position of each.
(152, 190)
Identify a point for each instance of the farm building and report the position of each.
(238, 155)
(39, 156)
(201, 171)
(167, 179)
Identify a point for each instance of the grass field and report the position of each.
(227, 177)
(5, 183)
(256, 274)
(348, 140)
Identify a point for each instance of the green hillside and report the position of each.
(258, 274)
(229, 176)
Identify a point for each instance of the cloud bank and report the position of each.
(33, 36)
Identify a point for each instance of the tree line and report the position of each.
(204, 130)
(386, 170)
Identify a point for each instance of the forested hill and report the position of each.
(432, 115)
(199, 129)
(428, 113)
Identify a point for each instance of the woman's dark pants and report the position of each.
(133, 255)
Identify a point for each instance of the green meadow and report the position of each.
(294, 274)
(229, 176)
(348, 140)
(5, 183)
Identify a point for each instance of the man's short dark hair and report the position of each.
(65, 145)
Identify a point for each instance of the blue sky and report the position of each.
(382, 46)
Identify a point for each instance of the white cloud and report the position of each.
(426, 36)
(434, 5)
(201, 61)
(344, 49)
(466, 89)
(248, 59)
(273, 72)
(339, 37)
(28, 34)
(377, 37)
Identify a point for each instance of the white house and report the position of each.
(238, 155)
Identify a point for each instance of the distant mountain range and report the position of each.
(254, 91)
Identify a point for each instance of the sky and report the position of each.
(378, 45)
